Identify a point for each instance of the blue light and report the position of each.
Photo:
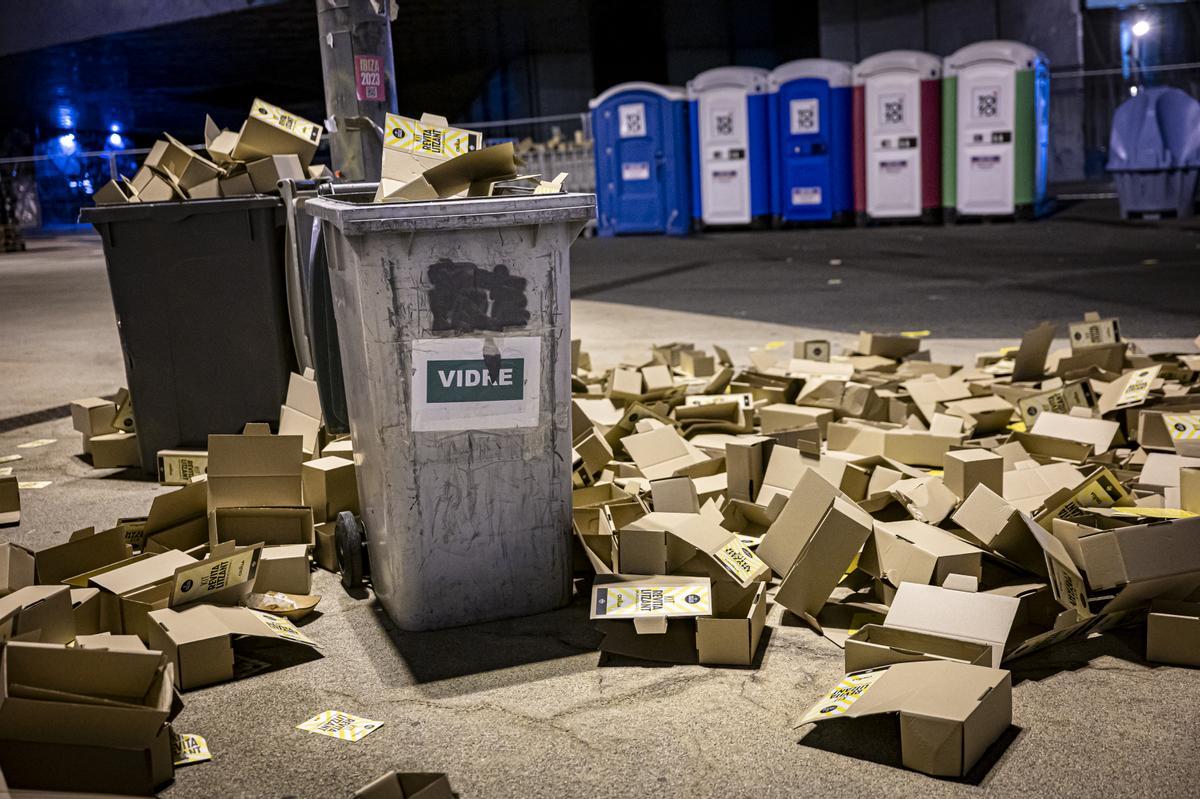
(66, 116)
(115, 139)
(115, 128)
(66, 143)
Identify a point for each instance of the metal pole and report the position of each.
(360, 82)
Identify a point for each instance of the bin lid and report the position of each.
(357, 217)
(929, 67)
(1157, 129)
(835, 73)
(752, 79)
(174, 210)
(1021, 56)
(668, 92)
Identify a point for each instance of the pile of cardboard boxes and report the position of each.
(108, 430)
(271, 145)
(936, 521)
(104, 629)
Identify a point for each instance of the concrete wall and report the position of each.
(851, 30)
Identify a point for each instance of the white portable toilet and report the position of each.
(996, 134)
(897, 120)
(731, 147)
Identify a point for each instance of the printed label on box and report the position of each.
(336, 724)
(193, 583)
(475, 383)
(1094, 334)
(283, 628)
(843, 695)
(290, 123)
(739, 561)
(631, 602)
(410, 136)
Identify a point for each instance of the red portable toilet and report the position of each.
(897, 137)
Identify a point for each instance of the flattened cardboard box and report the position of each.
(200, 640)
(949, 712)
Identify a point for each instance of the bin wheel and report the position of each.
(350, 538)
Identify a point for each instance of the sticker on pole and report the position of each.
(368, 77)
(336, 724)
(476, 383)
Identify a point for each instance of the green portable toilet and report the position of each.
(995, 131)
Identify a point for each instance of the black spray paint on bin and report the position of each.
(465, 298)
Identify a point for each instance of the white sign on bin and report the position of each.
(476, 383)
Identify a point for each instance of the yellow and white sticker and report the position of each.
(1154, 513)
(843, 695)
(5, 471)
(9, 458)
(737, 559)
(343, 726)
(289, 123)
(1183, 427)
(283, 628)
(1138, 387)
(410, 136)
(193, 583)
(631, 602)
(33, 485)
(40, 442)
(189, 748)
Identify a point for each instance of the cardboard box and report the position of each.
(97, 768)
(186, 166)
(874, 645)
(219, 143)
(44, 610)
(199, 641)
(991, 522)
(398, 785)
(325, 551)
(887, 345)
(812, 543)
(1140, 553)
(662, 452)
(237, 184)
(983, 414)
(269, 130)
(86, 609)
(157, 189)
(1027, 489)
(133, 578)
(645, 550)
(272, 526)
(1099, 433)
(949, 712)
(265, 173)
(965, 469)
(93, 416)
(208, 190)
(86, 550)
(177, 467)
(410, 147)
(915, 552)
(16, 567)
(1173, 633)
(10, 501)
(117, 191)
(284, 568)
(330, 487)
(178, 519)
(255, 469)
(925, 498)
(52, 693)
(780, 416)
(124, 643)
(115, 450)
(342, 447)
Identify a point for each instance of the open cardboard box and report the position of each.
(916, 552)
(812, 543)
(179, 520)
(949, 713)
(687, 543)
(84, 551)
(874, 645)
(1173, 633)
(16, 567)
(200, 640)
(403, 785)
(43, 613)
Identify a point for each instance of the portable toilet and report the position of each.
(897, 137)
(811, 140)
(642, 171)
(995, 130)
(731, 175)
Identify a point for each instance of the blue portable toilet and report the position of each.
(642, 173)
(811, 104)
(731, 146)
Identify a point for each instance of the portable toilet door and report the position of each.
(897, 135)
(811, 140)
(642, 168)
(995, 131)
(730, 146)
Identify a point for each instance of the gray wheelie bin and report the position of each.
(454, 324)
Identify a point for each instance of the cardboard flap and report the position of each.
(208, 578)
(799, 518)
(957, 614)
(650, 625)
(142, 573)
(174, 507)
